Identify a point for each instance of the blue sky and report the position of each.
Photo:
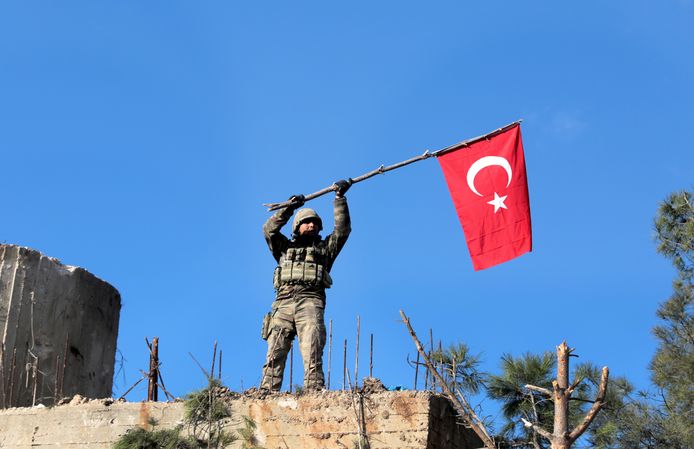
(139, 140)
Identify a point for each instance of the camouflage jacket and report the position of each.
(329, 247)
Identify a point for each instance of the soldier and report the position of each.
(300, 280)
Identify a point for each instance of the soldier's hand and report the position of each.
(297, 200)
(342, 186)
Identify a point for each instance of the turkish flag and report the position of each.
(489, 187)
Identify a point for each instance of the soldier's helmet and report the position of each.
(303, 215)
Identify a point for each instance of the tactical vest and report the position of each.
(303, 265)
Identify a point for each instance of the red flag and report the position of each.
(489, 187)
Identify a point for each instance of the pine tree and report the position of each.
(664, 419)
(460, 368)
(672, 366)
(518, 402)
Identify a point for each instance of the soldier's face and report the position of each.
(308, 227)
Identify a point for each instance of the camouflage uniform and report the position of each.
(301, 277)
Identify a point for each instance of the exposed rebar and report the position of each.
(291, 366)
(356, 355)
(371, 356)
(416, 372)
(344, 366)
(330, 352)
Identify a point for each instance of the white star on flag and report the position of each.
(498, 202)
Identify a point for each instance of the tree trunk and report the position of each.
(561, 399)
(562, 438)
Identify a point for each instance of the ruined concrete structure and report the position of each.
(58, 329)
(328, 419)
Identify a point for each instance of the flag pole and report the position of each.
(469, 142)
(384, 169)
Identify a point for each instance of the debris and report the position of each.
(77, 399)
(257, 393)
(372, 385)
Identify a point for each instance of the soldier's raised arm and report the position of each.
(343, 223)
(276, 241)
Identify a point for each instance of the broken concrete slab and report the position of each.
(58, 329)
(328, 419)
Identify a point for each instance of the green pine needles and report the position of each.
(205, 415)
(247, 433)
(139, 438)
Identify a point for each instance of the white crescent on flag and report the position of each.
(484, 162)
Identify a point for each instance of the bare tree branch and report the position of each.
(544, 391)
(592, 413)
(537, 429)
(589, 401)
(575, 384)
(460, 403)
(536, 418)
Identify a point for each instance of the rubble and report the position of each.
(372, 385)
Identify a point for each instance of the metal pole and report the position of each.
(330, 351)
(131, 388)
(214, 357)
(443, 371)
(163, 387)
(291, 366)
(416, 372)
(383, 169)
(344, 366)
(210, 395)
(155, 357)
(220, 365)
(356, 355)
(371, 357)
(431, 353)
(426, 377)
(272, 362)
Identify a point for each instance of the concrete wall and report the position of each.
(49, 310)
(394, 420)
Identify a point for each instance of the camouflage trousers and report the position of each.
(302, 316)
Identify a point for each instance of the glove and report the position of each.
(342, 186)
(297, 200)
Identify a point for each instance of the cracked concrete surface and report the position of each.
(394, 420)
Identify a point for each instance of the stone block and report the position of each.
(59, 326)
